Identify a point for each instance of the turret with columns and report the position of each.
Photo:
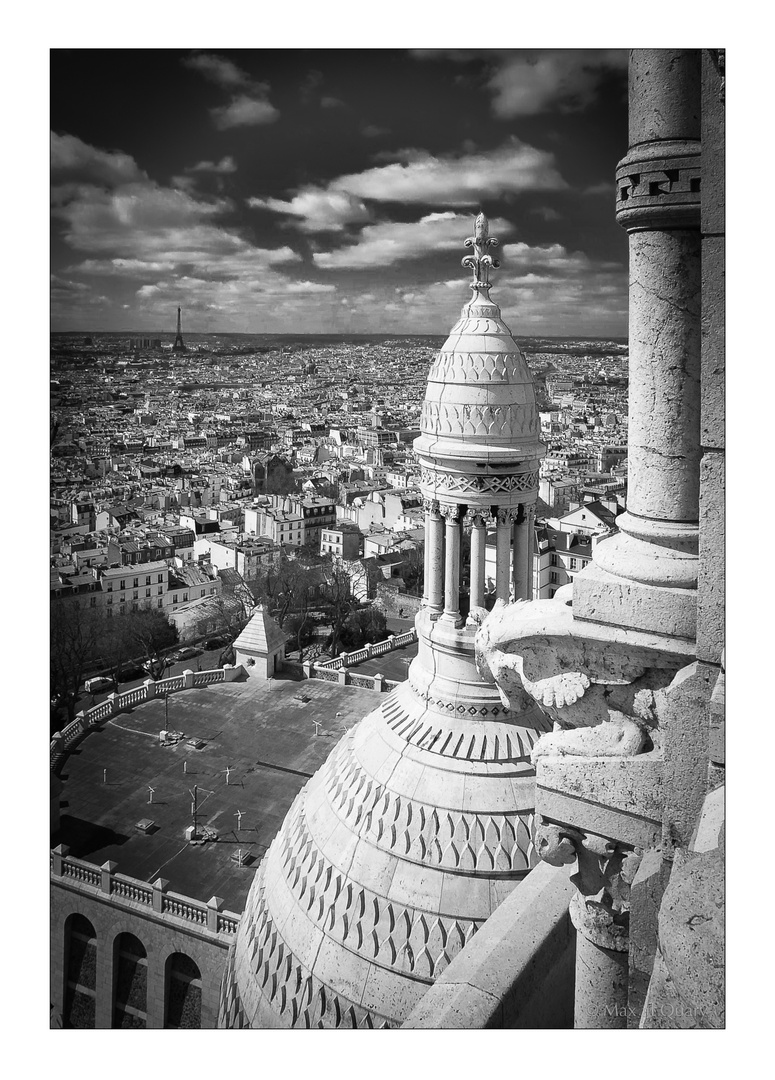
(421, 820)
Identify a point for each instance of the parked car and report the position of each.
(185, 654)
(132, 671)
(98, 684)
(215, 642)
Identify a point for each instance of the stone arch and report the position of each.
(80, 971)
(130, 981)
(182, 992)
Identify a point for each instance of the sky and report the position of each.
(331, 191)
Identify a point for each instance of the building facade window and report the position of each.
(160, 578)
(135, 582)
(80, 972)
(131, 995)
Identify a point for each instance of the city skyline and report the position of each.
(301, 191)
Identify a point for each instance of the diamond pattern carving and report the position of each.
(527, 481)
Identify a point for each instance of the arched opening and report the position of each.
(184, 993)
(80, 973)
(131, 982)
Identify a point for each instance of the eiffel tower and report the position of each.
(178, 346)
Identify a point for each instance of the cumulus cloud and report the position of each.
(127, 225)
(417, 177)
(317, 209)
(529, 82)
(218, 70)
(74, 161)
(249, 104)
(462, 180)
(227, 164)
(390, 242)
(244, 111)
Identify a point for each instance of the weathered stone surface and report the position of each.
(514, 972)
(685, 721)
(691, 936)
(712, 431)
(645, 898)
(712, 577)
(602, 597)
(621, 798)
(713, 141)
(664, 94)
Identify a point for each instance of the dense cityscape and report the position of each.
(209, 465)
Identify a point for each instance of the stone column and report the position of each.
(478, 542)
(602, 969)
(645, 577)
(521, 556)
(505, 521)
(531, 524)
(451, 514)
(600, 915)
(434, 542)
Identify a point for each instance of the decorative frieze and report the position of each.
(485, 421)
(497, 485)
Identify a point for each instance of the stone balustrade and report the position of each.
(61, 741)
(368, 652)
(155, 899)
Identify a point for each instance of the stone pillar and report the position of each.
(505, 521)
(478, 542)
(521, 572)
(645, 577)
(451, 515)
(600, 914)
(434, 544)
(602, 970)
(531, 525)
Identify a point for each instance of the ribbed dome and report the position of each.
(479, 387)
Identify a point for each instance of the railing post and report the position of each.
(379, 683)
(150, 689)
(214, 905)
(188, 679)
(307, 667)
(108, 869)
(345, 658)
(113, 699)
(342, 676)
(83, 723)
(159, 887)
(58, 742)
(368, 649)
(59, 854)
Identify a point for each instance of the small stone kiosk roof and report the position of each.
(261, 636)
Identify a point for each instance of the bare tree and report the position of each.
(75, 641)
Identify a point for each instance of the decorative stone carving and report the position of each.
(480, 262)
(497, 485)
(603, 695)
(506, 515)
(430, 506)
(451, 512)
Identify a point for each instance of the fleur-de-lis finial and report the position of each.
(480, 262)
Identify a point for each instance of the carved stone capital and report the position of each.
(478, 519)
(604, 874)
(430, 506)
(450, 512)
(506, 515)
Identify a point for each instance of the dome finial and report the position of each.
(480, 262)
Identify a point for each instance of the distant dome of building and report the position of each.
(420, 822)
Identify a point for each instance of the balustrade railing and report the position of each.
(206, 678)
(127, 700)
(129, 889)
(155, 898)
(85, 872)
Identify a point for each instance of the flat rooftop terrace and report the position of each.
(262, 731)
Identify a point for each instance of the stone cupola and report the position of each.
(421, 820)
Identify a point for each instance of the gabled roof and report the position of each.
(262, 635)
